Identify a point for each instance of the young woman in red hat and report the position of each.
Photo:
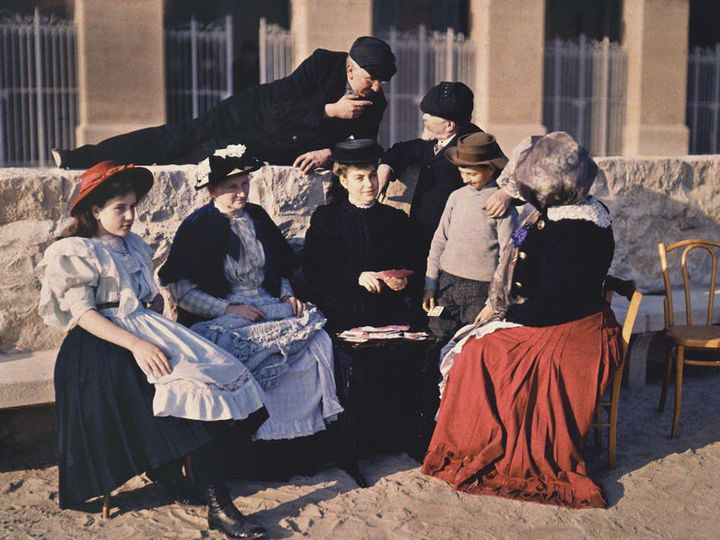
(135, 391)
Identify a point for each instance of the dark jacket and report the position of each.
(285, 118)
(202, 242)
(438, 178)
(560, 271)
(344, 241)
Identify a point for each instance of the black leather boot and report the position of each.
(226, 518)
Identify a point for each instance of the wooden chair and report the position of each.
(627, 289)
(687, 337)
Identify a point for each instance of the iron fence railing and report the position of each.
(584, 92)
(38, 88)
(703, 100)
(198, 67)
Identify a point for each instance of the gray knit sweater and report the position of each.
(467, 243)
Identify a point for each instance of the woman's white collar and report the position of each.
(589, 210)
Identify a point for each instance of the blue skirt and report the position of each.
(107, 432)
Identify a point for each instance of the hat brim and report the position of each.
(212, 180)
(141, 177)
(452, 157)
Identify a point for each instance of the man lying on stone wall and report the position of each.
(330, 97)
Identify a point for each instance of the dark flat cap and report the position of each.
(450, 100)
(374, 56)
(356, 151)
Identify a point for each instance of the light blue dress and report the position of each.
(78, 274)
(291, 357)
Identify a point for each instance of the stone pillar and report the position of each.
(121, 67)
(328, 24)
(655, 36)
(509, 37)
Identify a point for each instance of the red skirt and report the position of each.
(517, 407)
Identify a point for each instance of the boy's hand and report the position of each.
(428, 301)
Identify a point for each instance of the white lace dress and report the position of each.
(79, 274)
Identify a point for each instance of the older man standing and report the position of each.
(295, 120)
(447, 109)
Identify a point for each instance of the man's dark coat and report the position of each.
(438, 178)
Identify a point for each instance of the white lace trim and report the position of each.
(589, 210)
(358, 204)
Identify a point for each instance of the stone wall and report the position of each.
(660, 200)
(33, 209)
(652, 200)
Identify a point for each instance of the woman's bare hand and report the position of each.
(484, 315)
(395, 283)
(298, 306)
(428, 301)
(150, 358)
(370, 282)
(251, 313)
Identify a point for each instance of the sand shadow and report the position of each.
(644, 433)
(333, 482)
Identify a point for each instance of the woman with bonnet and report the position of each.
(228, 270)
(520, 387)
(135, 391)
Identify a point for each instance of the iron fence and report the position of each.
(703, 100)
(38, 88)
(423, 59)
(584, 92)
(198, 67)
(275, 44)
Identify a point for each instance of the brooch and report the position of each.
(519, 235)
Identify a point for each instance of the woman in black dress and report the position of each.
(352, 240)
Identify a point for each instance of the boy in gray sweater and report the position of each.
(466, 245)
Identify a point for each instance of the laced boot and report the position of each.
(226, 518)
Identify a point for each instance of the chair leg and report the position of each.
(679, 364)
(612, 436)
(598, 430)
(106, 506)
(666, 379)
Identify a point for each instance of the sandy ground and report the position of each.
(662, 488)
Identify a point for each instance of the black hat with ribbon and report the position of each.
(224, 167)
(357, 151)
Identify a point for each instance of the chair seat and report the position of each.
(695, 336)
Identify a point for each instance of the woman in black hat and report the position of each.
(352, 240)
(228, 269)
